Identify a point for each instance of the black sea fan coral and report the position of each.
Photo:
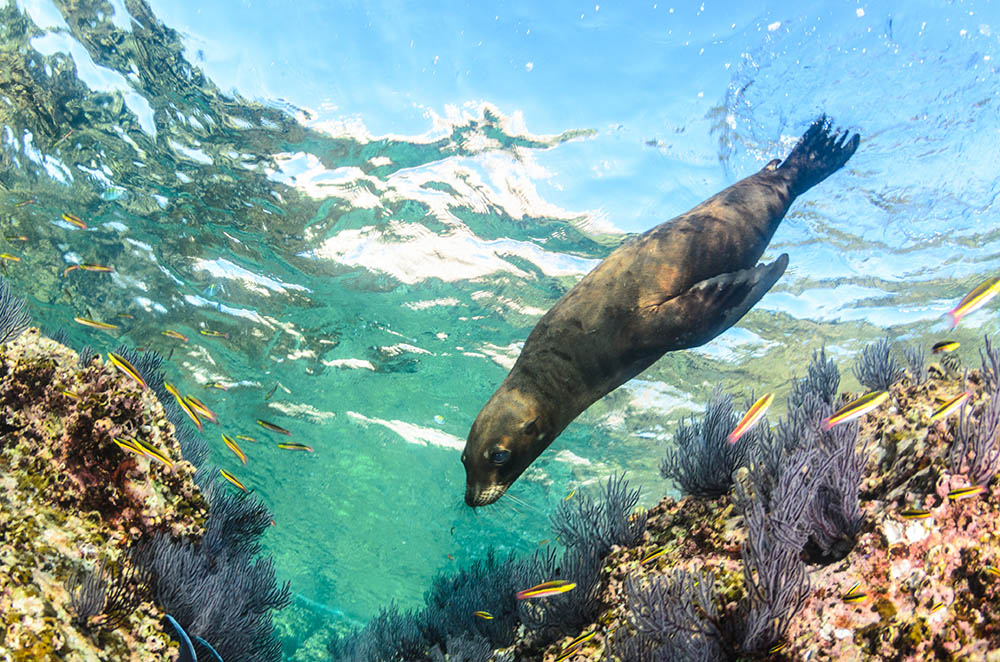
(822, 378)
(600, 524)
(876, 368)
(916, 361)
(486, 585)
(775, 574)
(107, 596)
(14, 317)
(674, 618)
(975, 450)
(702, 461)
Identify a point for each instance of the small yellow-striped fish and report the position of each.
(74, 220)
(152, 452)
(915, 513)
(69, 394)
(203, 410)
(126, 367)
(219, 385)
(853, 598)
(754, 414)
(966, 492)
(655, 554)
(234, 447)
(856, 408)
(582, 639)
(183, 404)
(170, 333)
(18, 237)
(9, 257)
(295, 447)
(243, 437)
(273, 428)
(950, 407)
(570, 495)
(232, 479)
(485, 615)
(213, 334)
(945, 346)
(128, 445)
(566, 654)
(101, 268)
(974, 300)
(94, 323)
(937, 606)
(546, 589)
(777, 648)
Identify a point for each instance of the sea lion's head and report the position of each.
(506, 437)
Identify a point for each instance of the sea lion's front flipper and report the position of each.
(709, 307)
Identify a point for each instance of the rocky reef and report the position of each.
(74, 503)
(919, 581)
(113, 544)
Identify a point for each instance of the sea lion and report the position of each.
(673, 287)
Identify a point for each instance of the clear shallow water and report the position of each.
(376, 230)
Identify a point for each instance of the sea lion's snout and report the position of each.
(477, 496)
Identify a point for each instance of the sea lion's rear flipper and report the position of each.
(818, 154)
(711, 306)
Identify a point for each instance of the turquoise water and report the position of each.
(375, 203)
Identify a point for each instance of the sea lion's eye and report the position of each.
(499, 457)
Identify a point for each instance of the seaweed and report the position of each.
(702, 461)
(876, 368)
(14, 317)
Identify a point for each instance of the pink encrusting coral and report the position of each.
(925, 585)
(71, 499)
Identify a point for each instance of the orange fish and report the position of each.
(974, 300)
(94, 323)
(754, 414)
(74, 220)
(174, 334)
(855, 408)
(546, 589)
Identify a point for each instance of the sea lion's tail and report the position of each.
(818, 154)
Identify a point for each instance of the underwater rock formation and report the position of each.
(104, 527)
(73, 503)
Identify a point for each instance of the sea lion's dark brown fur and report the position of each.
(676, 286)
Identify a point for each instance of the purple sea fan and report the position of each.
(975, 450)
